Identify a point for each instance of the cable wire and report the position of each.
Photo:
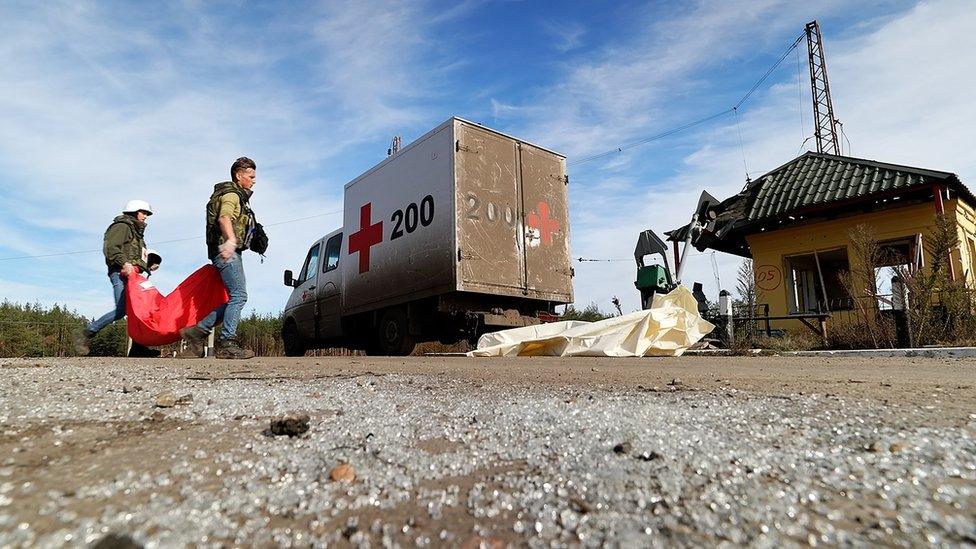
(745, 168)
(661, 135)
(683, 127)
(799, 97)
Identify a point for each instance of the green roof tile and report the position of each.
(816, 179)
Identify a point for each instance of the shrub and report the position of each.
(591, 313)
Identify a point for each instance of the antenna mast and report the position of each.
(824, 123)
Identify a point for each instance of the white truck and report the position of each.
(464, 231)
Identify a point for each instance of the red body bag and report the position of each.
(155, 319)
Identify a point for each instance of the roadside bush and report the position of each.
(591, 313)
(111, 341)
(262, 334)
(34, 331)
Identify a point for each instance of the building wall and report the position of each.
(770, 248)
(965, 258)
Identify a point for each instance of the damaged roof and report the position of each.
(813, 182)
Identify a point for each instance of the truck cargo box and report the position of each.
(462, 209)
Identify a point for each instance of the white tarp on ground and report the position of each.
(668, 328)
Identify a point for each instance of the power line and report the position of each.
(614, 259)
(779, 61)
(588, 259)
(742, 150)
(709, 118)
(799, 97)
(76, 252)
(651, 138)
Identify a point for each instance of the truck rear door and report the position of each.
(488, 213)
(544, 200)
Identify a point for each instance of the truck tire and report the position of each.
(393, 334)
(293, 343)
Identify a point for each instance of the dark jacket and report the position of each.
(124, 243)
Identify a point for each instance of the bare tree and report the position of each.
(745, 285)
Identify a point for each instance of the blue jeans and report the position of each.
(232, 273)
(118, 287)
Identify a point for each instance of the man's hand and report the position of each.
(227, 249)
(229, 246)
(127, 269)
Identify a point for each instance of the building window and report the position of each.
(900, 257)
(813, 281)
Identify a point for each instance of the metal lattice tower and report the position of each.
(824, 123)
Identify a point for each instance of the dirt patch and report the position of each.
(439, 445)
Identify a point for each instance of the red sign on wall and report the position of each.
(768, 277)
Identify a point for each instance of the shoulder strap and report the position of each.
(240, 196)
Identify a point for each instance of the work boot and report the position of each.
(230, 348)
(80, 338)
(195, 338)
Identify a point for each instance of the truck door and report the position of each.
(328, 291)
(489, 228)
(544, 199)
(305, 312)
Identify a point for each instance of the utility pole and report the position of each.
(824, 123)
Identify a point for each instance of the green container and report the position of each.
(652, 277)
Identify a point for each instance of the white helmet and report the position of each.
(134, 206)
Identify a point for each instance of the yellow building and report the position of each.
(794, 222)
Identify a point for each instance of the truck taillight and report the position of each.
(546, 317)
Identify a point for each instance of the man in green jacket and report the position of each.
(230, 223)
(125, 252)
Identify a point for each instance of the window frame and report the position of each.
(817, 281)
(325, 264)
(316, 247)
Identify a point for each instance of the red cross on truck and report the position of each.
(366, 237)
(462, 232)
(543, 223)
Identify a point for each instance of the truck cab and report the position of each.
(312, 313)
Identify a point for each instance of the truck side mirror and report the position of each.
(289, 278)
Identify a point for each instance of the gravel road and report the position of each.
(764, 451)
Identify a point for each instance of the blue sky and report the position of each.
(107, 101)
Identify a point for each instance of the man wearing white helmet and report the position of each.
(125, 252)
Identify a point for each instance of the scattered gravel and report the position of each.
(430, 460)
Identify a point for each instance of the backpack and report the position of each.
(256, 239)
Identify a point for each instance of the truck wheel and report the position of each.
(393, 334)
(293, 343)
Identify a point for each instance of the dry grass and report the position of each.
(940, 309)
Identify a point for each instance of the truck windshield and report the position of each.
(311, 262)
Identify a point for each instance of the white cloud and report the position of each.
(565, 35)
